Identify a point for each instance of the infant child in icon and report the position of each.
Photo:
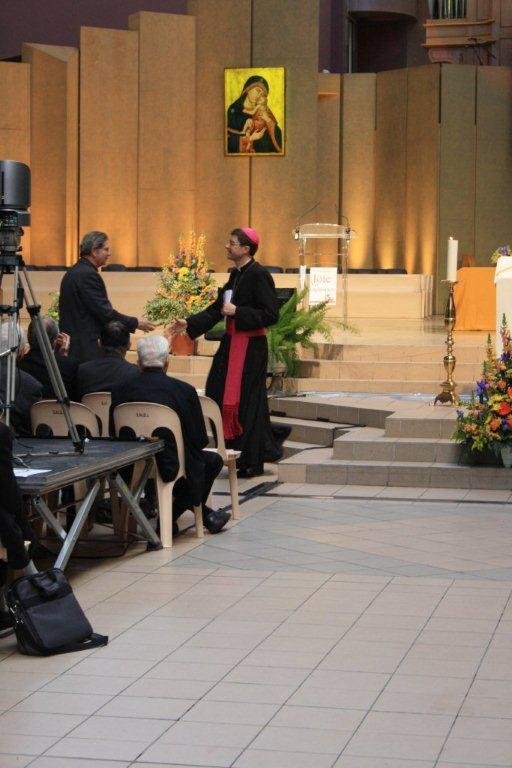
(255, 126)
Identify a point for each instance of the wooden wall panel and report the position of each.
(166, 157)
(109, 138)
(52, 210)
(72, 159)
(421, 198)
(390, 168)
(223, 39)
(15, 121)
(357, 199)
(493, 160)
(328, 162)
(286, 34)
(456, 167)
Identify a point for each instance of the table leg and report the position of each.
(131, 500)
(49, 517)
(74, 531)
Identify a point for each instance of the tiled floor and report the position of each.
(330, 628)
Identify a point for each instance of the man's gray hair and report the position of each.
(20, 339)
(91, 241)
(152, 351)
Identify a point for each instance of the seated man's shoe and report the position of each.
(214, 520)
(255, 471)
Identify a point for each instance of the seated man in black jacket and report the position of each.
(111, 368)
(34, 363)
(27, 389)
(152, 385)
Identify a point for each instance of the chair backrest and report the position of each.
(212, 415)
(145, 418)
(99, 403)
(48, 413)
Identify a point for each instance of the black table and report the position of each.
(101, 460)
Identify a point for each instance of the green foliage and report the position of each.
(53, 309)
(295, 328)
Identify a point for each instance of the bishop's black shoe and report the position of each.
(215, 520)
(254, 471)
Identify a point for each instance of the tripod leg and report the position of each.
(34, 310)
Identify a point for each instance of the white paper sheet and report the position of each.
(22, 472)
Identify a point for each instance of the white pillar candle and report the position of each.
(451, 260)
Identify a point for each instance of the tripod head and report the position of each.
(14, 204)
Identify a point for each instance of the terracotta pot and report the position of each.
(506, 455)
(183, 345)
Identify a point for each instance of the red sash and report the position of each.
(233, 385)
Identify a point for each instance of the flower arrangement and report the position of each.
(185, 286)
(487, 420)
(503, 250)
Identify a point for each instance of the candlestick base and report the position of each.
(448, 394)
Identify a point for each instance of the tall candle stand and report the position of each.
(448, 394)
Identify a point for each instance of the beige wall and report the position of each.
(222, 183)
(357, 181)
(166, 138)
(53, 152)
(281, 188)
(109, 95)
(422, 169)
(390, 168)
(15, 121)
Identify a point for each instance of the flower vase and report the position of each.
(182, 344)
(506, 454)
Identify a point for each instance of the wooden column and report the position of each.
(222, 183)
(357, 198)
(109, 98)
(166, 141)
(15, 121)
(53, 152)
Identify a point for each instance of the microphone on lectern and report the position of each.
(296, 231)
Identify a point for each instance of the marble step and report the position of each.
(367, 443)
(402, 369)
(373, 386)
(473, 354)
(291, 447)
(318, 466)
(312, 432)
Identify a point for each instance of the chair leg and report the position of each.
(198, 514)
(164, 495)
(233, 487)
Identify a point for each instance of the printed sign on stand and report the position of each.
(323, 283)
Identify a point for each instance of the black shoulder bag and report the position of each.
(47, 616)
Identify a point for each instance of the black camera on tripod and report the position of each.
(14, 204)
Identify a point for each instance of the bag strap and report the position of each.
(93, 641)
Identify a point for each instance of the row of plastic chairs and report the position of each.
(92, 416)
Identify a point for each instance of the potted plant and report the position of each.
(485, 424)
(295, 328)
(186, 286)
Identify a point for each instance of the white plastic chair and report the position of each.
(212, 415)
(144, 419)
(49, 413)
(99, 402)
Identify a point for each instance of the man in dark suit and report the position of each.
(152, 385)
(14, 529)
(27, 389)
(84, 306)
(34, 364)
(111, 368)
